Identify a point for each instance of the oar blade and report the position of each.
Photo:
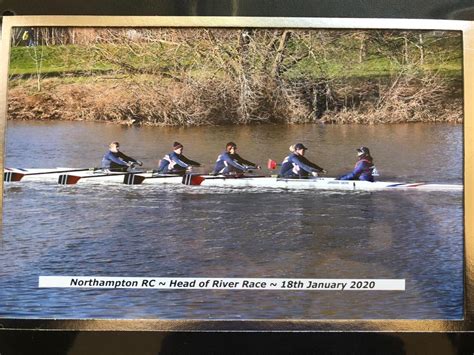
(192, 179)
(10, 176)
(271, 164)
(133, 179)
(66, 179)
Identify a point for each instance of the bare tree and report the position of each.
(171, 76)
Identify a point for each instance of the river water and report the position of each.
(153, 231)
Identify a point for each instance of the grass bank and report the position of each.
(215, 77)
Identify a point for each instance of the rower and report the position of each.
(364, 168)
(175, 162)
(229, 162)
(115, 160)
(297, 166)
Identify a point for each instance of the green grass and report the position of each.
(55, 59)
(76, 60)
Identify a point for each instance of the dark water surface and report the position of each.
(153, 231)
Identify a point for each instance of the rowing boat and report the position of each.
(139, 177)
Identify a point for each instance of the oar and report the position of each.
(272, 164)
(192, 179)
(129, 178)
(197, 179)
(11, 176)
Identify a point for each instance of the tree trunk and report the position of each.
(405, 49)
(422, 49)
(279, 57)
(362, 48)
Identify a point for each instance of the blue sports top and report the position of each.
(173, 162)
(116, 160)
(362, 171)
(226, 162)
(297, 165)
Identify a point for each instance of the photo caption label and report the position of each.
(198, 283)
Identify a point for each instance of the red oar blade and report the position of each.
(192, 179)
(132, 179)
(272, 164)
(66, 179)
(11, 176)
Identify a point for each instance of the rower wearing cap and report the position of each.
(364, 167)
(229, 162)
(175, 162)
(296, 165)
(115, 160)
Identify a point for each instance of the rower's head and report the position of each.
(178, 147)
(300, 148)
(292, 148)
(114, 146)
(363, 151)
(231, 147)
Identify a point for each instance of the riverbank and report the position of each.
(152, 101)
(198, 77)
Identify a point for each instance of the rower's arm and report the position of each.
(116, 160)
(189, 161)
(304, 166)
(311, 164)
(234, 162)
(126, 158)
(175, 158)
(242, 161)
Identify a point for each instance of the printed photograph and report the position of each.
(269, 153)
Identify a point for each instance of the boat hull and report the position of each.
(146, 178)
(325, 184)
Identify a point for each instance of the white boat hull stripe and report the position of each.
(218, 181)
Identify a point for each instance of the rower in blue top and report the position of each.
(115, 160)
(230, 163)
(364, 168)
(297, 166)
(175, 162)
